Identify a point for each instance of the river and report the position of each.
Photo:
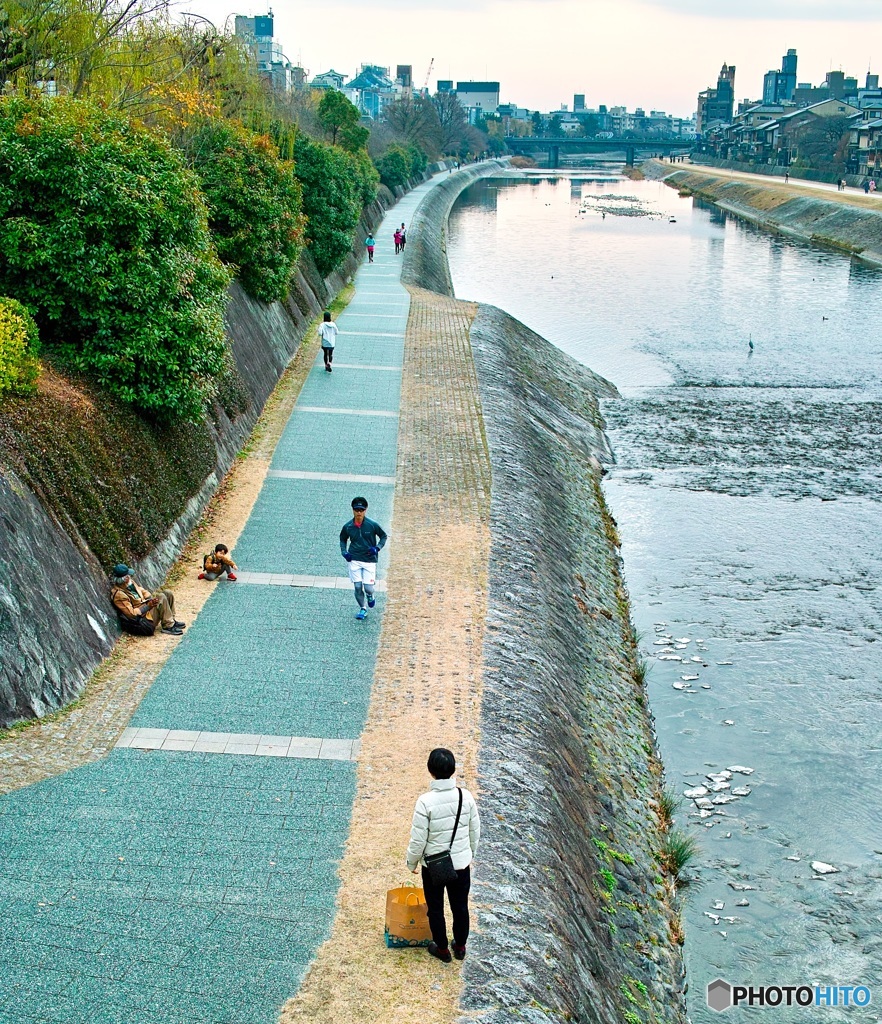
(746, 487)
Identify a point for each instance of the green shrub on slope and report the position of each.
(18, 349)
(104, 236)
(335, 187)
(254, 204)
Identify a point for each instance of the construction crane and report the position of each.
(428, 74)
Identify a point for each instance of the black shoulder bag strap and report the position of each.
(456, 823)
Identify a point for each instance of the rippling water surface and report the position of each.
(747, 493)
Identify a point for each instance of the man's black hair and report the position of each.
(441, 763)
(221, 547)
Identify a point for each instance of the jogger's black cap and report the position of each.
(359, 503)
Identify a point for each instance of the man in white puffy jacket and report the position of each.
(433, 822)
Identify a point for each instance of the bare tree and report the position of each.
(414, 120)
(452, 121)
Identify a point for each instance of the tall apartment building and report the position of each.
(779, 86)
(257, 34)
(717, 104)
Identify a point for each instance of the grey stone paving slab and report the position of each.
(295, 527)
(338, 444)
(296, 663)
(365, 366)
(352, 478)
(235, 743)
(227, 920)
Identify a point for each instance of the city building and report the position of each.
(371, 90)
(329, 80)
(579, 103)
(257, 34)
(482, 97)
(717, 105)
(445, 85)
(404, 76)
(779, 86)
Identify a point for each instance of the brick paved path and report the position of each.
(191, 875)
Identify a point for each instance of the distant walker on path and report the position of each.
(360, 542)
(328, 333)
(445, 821)
(369, 244)
(403, 237)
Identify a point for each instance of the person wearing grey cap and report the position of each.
(138, 609)
(360, 542)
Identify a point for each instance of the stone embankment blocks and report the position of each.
(854, 227)
(575, 921)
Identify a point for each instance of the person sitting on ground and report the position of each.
(218, 563)
(445, 818)
(139, 611)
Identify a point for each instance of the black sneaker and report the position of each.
(459, 952)
(371, 601)
(173, 630)
(440, 954)
(180, 625)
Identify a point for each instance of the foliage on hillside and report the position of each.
(114, 478)
(254, 204)
(19, 343)
(335, 184)
(104, 237)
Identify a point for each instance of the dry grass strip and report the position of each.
(427, 683)
(88, 729)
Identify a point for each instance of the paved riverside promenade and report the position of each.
(191, 875)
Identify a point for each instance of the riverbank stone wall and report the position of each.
(574, 918)
(855, 228)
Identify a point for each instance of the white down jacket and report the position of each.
(433, 819)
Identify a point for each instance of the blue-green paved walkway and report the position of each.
(183, 885)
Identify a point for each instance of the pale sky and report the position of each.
(656, 54)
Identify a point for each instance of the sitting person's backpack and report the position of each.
(142, 626)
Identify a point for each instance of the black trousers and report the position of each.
(458, 895)
(328, 353)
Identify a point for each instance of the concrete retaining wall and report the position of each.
(575, 920)
(850, 227)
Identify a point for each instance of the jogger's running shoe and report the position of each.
(361, 613)
(371, 600)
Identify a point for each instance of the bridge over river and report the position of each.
(530, 146)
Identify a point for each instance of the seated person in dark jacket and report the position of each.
(134, 603)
